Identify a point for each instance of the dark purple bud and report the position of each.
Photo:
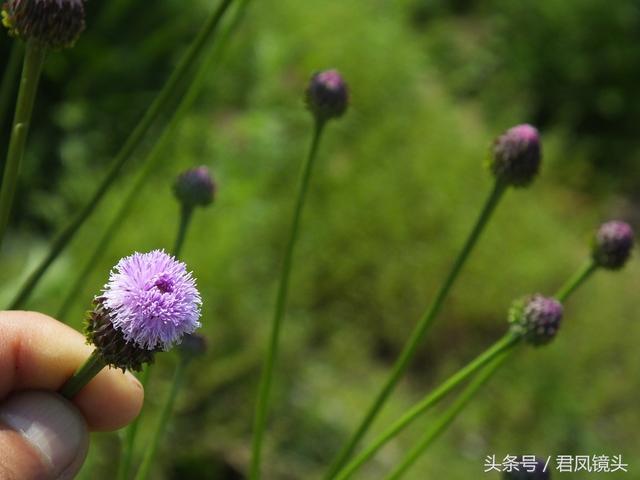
(516, 156)
(195, 187)
(536, 318)
(612, 245)
(53, 23)
(529, 468)
(327, 95)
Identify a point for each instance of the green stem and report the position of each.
(166, 95)
(31, 71)
(449, 415)
(419, 331)
(576, 280)
(262, 404)
(443, 422)
(83, 375)
(130, 435)
(506, 343)
(9, 80)
(165, 413)
(185, 218)
(150, 163)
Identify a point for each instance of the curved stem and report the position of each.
(9, 80)
(262, 404)
(31, 71)
(130, 435)
(166, 95)
(448, 416)
(506, 343)
(419, 331)
(150, 163)
(83, 375)
(576, 280)
(165, 413)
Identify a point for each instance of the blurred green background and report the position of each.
(397, 187)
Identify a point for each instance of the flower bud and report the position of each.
(612, 245)
(516, 156)
(536, 318)
(195, 187)
(529, 469)
(327, 95)
(53, 23)
(148, 305)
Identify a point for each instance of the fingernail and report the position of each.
(52, 425)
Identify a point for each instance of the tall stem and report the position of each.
(262, 404)
(83, 375)
(9, 80)
(506, 343)
(31, 71)
(165, 413)
(185, 219)
(130, 434)
(419, 331)
(166, 95)
(151, 162)
(576, 280)
(449, 415)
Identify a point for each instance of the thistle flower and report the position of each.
(516, 155)
(147, 306)
(195, 187)
(612, 245)
(327, 95)
(536, 318)
(54, 23)
(533, 469)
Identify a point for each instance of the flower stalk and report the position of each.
(449, 415)
(31, 71)
(260, 418)
(421, 328)
(91, 367)
(9, 80)
(502, 346)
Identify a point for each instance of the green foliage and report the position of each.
(397, 186)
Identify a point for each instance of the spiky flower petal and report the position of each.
(536, 318)
(152, 299)
(53, 23)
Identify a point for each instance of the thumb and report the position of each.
(43, 436)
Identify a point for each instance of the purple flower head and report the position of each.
(152, 300)
(195, 187)
(327, 95)
(53, 23)
(516, 155)
(612, 245)
(536, 318)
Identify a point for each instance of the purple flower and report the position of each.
(152, 300)
(327, 95)
(612, 245)
(53, 23)
(516, 155)
(195, 187)
(536, 318)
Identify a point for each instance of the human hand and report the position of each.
(42, 435)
